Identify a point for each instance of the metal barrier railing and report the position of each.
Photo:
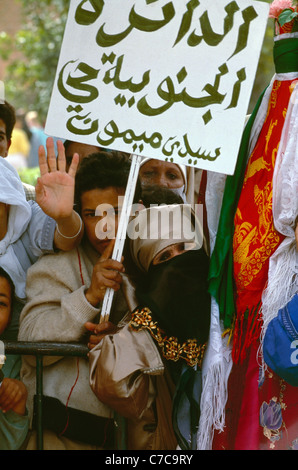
(40, 349)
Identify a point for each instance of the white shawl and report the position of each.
(283, 265)
(12, 193)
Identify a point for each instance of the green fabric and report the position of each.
(221, 282)
(285, 54)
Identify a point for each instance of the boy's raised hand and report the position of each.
(55, 187)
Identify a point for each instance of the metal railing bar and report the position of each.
(45, 348)
(40, 349)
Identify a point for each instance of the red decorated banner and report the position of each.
(255, 238)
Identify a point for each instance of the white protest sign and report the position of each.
(163, 79)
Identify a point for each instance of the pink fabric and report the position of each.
(259, 416)
(242, 410)
(248, 428)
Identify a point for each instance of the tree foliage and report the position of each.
(29, 77)
(265, 68)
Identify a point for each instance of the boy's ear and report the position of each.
(8, 143)
(4, 214)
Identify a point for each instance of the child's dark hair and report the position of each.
(102, 170)
(8, 116)
(4, 274)
(154, 194)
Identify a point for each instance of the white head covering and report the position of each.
(157, 227)
(12, 193)
(188, 176)
(182, 168)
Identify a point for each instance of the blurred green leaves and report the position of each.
(265, 70)
(29, 175)
(34, 51)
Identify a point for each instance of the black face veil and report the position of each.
(176, 293)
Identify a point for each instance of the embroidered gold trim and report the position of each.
(171, 349)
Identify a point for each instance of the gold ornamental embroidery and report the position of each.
(171, 349)
(270, 131)
(260, 163)
(274, 92)
(255, 166)
(246, 235)
(293, 85)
